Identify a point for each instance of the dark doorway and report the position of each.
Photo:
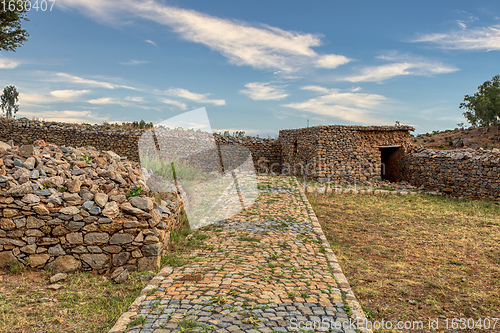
(389, 157)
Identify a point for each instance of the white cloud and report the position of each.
(195, 97)
(150, 42)
(108, 101)
(258, 46)
(402, 65)
(64, 77)
(316, 89)
(134, 62)
(51, 97)
(134, 99)
(6, 63)
(178, 104)
(477, 39)
(69, 116)
(68, 95)
(263, 91)
(348, 106)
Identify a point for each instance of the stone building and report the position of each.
(344, 154)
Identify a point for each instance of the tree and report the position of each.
(9, 98)
(484, 106)
(12, 12)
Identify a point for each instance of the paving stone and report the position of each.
(250, 273)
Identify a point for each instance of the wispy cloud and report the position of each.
(177, 104)
(106, 101)
(6, 63)
(195, 97)
(347, 106)
(137, 99)
(69, 116)
(134, 62)
(150, 42)
(259, 46)
(51, 97)
(263, 91)
(68, 78)
(474, 39)
(402, 65)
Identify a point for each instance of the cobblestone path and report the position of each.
(267, 269)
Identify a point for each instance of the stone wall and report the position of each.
(125, 140)
(340, 153)
(122, 141)
(464, 173)
(65, 209)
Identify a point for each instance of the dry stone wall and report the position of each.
(125, 140)
(464, 173)
(65, 209)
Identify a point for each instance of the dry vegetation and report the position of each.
(484, 137)
(416, 257)
(86, 303)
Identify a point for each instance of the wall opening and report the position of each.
(296, 147)
(389, 159)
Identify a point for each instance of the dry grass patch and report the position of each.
(86, 303)
(416, 257)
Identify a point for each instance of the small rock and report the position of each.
(30, 199)
(46, 299)
(71, 210)
(29, 163)
(55, 286)
(111, 209)
(120, 275)
(58, 277)
(44, 192)
(20, 190)
(74, 186)
(96, 210)
(101, 199)
(145, 204)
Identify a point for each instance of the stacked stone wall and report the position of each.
(463, 173)
(65, 209)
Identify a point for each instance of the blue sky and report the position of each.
(257, 66)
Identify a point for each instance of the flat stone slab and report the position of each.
(266, 269)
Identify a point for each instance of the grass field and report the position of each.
(417, 257)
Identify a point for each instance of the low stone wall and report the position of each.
(125, 141)
(103, 137)
(462, 173)
(65, 209)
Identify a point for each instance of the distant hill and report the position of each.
(484, 137)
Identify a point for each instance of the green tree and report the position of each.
(9, 98)
(12, 12)
(484, 106)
